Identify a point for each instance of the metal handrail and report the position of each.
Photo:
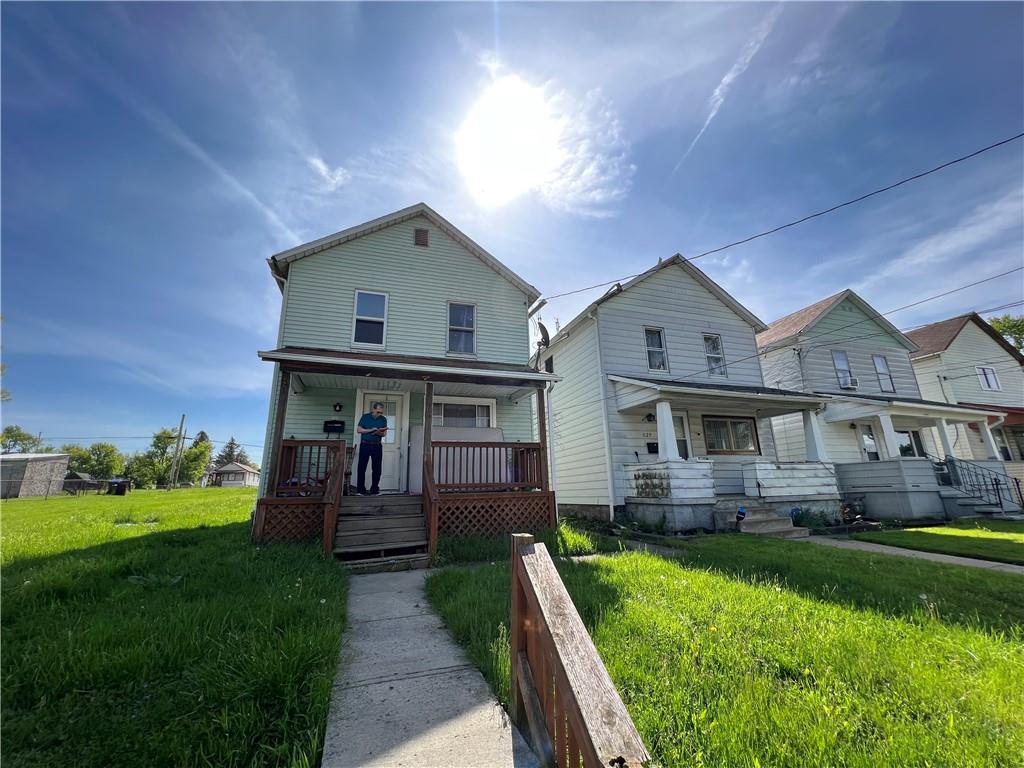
(977, 481)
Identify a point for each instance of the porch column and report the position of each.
(542, 435)
(813, 441)
(428, 421)
(947, 447)
(986, 437)
(892, 446)
(283, 388)
(667, 446)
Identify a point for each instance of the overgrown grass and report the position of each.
(565, 540)
(998, 540)
(147, 630)
(728, 670)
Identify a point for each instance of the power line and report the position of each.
(808, 217)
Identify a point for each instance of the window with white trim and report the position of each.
(987, 378)
(463, 412)
(461, 328)
(371, 319)
(885, 380)
(714, 354)
(842, 366)
(657, 355)
(730, 434)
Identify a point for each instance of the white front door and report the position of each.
(391, 445)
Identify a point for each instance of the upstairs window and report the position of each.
(842, 366)
(714, 354)
(371, 319)
(657, 357)
(987, 378)
(885, 380)
(461, 329)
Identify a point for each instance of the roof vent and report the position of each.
(420, 237)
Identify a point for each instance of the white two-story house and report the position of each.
(875, 424)
(409, 311)
(965, 360)
(662, 411)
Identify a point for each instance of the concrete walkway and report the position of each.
(405, 693)
(935, 557)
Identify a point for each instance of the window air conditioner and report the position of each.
(850, 383)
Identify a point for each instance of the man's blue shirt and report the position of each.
(369, 421)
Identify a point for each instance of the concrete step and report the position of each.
(970, 501)
(761, 513)
(790, 533)
(766, 526)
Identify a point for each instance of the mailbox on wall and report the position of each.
(334, 427)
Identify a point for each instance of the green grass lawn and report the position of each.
(147, 630)
(564, 540)
(724, 660)
(998, 540)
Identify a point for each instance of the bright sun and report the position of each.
(509, 143)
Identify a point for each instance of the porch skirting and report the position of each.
(288, 519)
(493, 514)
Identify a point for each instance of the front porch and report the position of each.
(701, 452)
(465, 453)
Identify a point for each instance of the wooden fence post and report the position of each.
(517, 628)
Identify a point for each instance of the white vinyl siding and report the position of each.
(577, 429)
(848, 328)
(973, 348)
(673, 301)
(319, 299)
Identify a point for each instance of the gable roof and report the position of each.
(803, 320)
(232, 464)
(937, 337)
(280, 262)
(677, 260)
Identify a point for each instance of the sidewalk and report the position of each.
(405, 693)
(935, 557)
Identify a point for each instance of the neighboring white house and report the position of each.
(235, 475)
(32, 474)
(662, 411)
(965, 360)
(874, 426)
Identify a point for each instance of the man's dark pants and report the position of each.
(369, 452)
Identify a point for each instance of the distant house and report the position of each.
(32, 474)
(77, 482)
(965, 360)
(877, 424)
(235, 475)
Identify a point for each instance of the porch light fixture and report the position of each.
(650, 417)
(337, 407)
(852, 425)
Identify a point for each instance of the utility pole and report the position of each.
(176, 464)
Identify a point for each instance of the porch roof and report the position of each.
(636, 391)
(851, 406)
(391, 366)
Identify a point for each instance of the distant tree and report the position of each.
(153, 467)
(17, 440)
(243, 458)
(228, 453)
(194, 461)
(201, 437)
(105, 461)
(1010, 326)
(80, 460)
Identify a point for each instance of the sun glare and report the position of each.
(509, 143)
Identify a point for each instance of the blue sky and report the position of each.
(155, 154)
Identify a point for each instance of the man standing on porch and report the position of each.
(372, 426)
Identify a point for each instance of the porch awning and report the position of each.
(859, 406)
(632, 392)
(389, 366)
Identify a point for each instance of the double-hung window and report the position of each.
(733, 434)
(461, 328)
(465, 414)
(371, 319)
(657, 355)
(714, 354)
(987, 378)
(885, 380)
(842, 366)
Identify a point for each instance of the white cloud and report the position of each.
(332, 178)
(738, 68)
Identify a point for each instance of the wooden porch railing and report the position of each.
(561, 693)
(332, 498)
(488, 466)
(303, 467)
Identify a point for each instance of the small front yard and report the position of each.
(760, 652)
(146, 630)
(998, 540)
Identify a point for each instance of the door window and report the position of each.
(868, 444)
(1001, 444)
(682, 444)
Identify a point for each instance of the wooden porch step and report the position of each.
(379, 537)
(392, 563)
(381, 505)
(351, 523)
(381, 547)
